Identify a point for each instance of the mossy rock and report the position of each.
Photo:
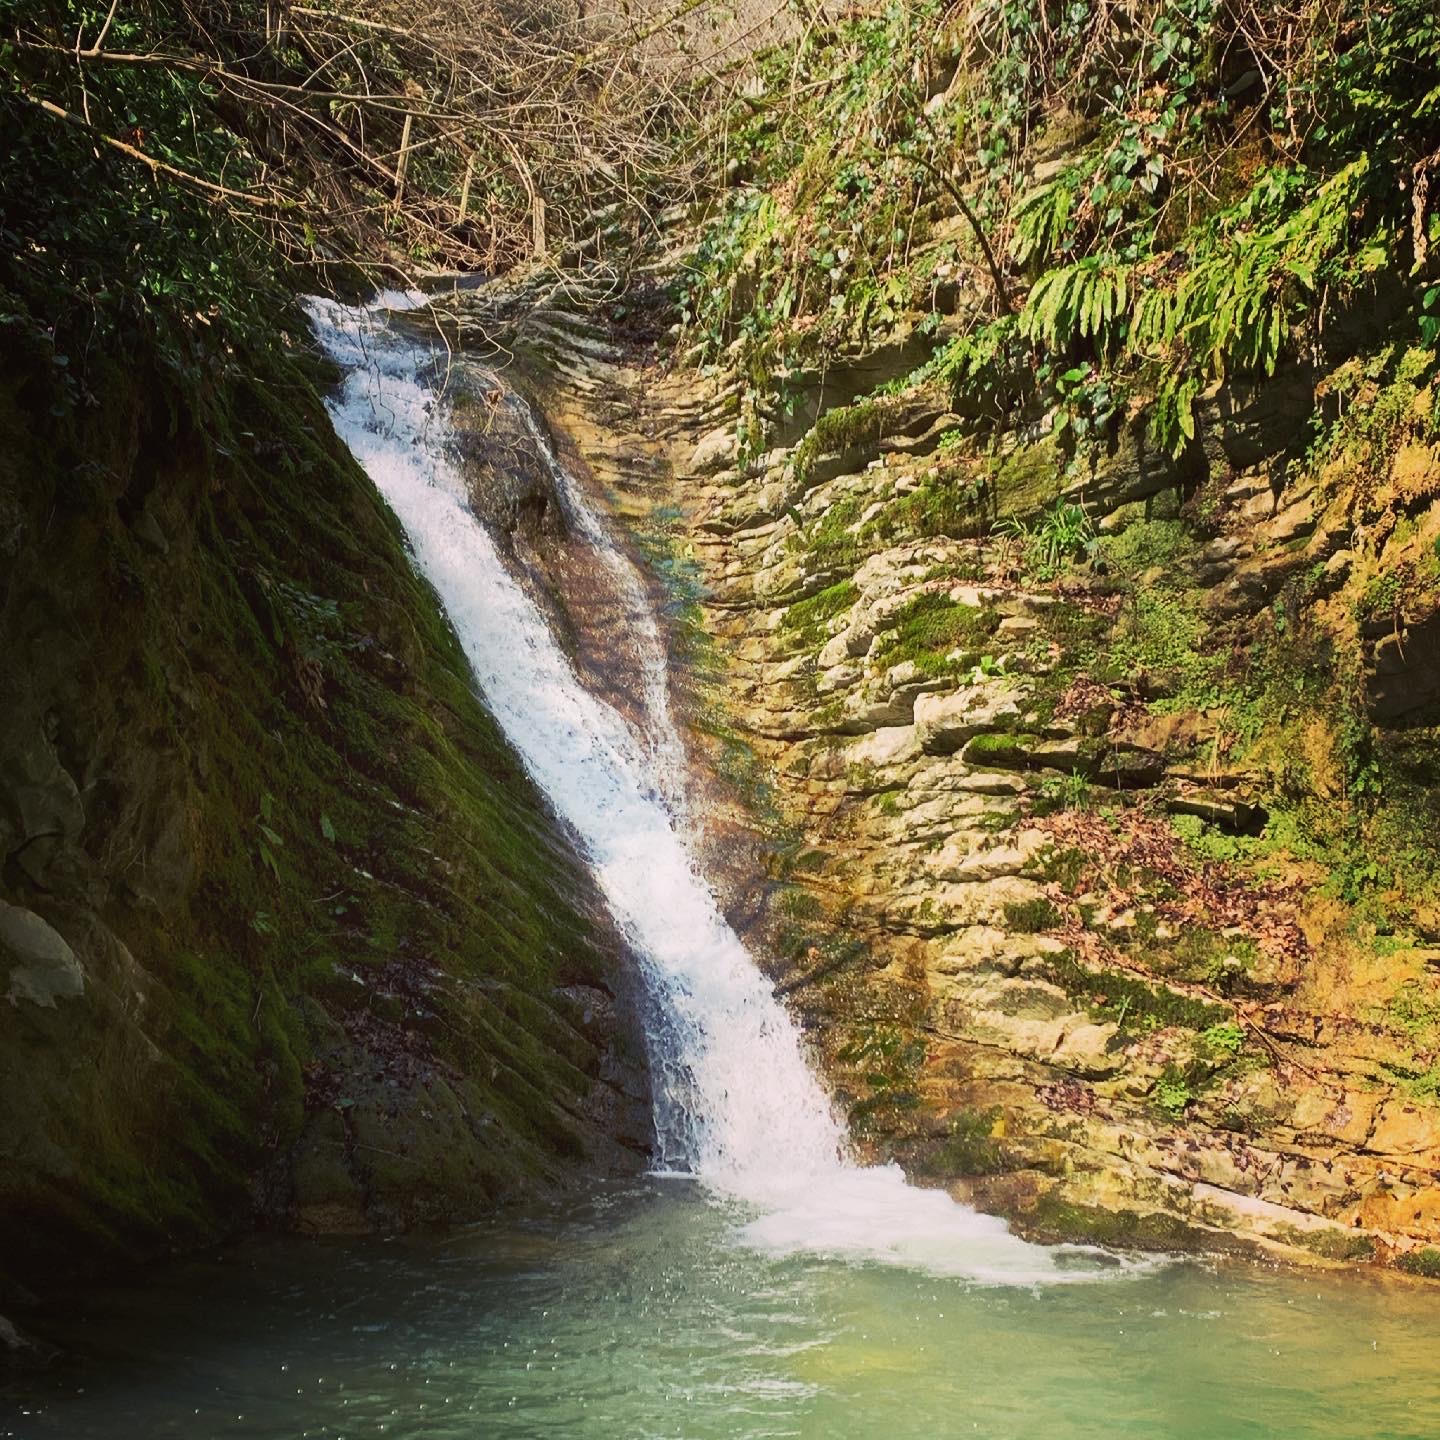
(1029, 478)
(1054, 1218)
(1114, 996)
(1003, 751)
(297, 850)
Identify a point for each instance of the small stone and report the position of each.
(148, 532)
(1017, 627)
(988, 782)
(1338, 565)
(834, 652)
(837, 677)
(714, 451)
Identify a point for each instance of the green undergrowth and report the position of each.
(1203, 222)
(1199, 218)
(1216, 1055)
(1424, 1262)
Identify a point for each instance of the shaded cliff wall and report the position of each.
(284, 927)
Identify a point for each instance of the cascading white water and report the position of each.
(736, 1102)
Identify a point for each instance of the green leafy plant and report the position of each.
(270, 840)
(1065, 792)
(1042, 218)
(1051, 544)
(1224, 1040)
(988, 667)
(1172, 1092)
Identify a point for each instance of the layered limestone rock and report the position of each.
(1023, 980)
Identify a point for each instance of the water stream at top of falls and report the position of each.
(736, 1102)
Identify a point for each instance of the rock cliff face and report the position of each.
(1055, 952)
(285, 931)
(1086, 1002)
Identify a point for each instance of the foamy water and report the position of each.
(736, 1103)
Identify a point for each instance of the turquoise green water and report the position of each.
(640, 1315)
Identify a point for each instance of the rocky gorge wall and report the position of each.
(285, 931)
(1104, 989)
(1033, 435)
(1060, 945)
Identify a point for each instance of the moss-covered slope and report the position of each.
(283, 924)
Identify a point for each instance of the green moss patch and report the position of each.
(1112, 995)
(806, 619)
(931, 626)
(1054, 1218)
(859, 426)
(1030, 917)
(969, 1148)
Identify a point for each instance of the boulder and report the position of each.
(889, 745)
(944, 723)
(1407, 1131)
(42, 967)
(1126, 767)
(1237, 816)
(956, 860)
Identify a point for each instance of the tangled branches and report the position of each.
(469, 134)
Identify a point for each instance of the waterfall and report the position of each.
(736, 1103)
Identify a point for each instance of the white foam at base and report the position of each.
(736, 1102)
